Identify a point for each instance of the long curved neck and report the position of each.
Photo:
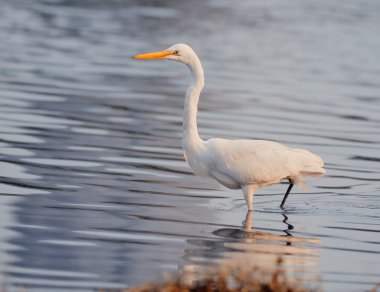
(190, 139)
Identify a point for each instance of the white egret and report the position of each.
(236, 164)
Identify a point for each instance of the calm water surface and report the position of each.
(94, 189)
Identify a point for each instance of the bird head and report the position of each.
(178, 52)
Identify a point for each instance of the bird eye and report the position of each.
(176, 52)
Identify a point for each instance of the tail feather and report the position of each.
(307, 164)
(298, 180)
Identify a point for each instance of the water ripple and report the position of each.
(95, 192)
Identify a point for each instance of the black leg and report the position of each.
(291, 184)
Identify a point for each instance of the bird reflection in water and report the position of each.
(272, 244)
(257, 249)
(289, 226)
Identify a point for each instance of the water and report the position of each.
(95, 192)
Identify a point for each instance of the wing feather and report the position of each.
(260, 162)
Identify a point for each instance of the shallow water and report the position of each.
(94, 189)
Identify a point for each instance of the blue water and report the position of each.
(95, 192)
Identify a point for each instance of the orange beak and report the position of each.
(154, 55)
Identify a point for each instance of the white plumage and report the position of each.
(245, 164)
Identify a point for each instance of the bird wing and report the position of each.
(249, 161)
